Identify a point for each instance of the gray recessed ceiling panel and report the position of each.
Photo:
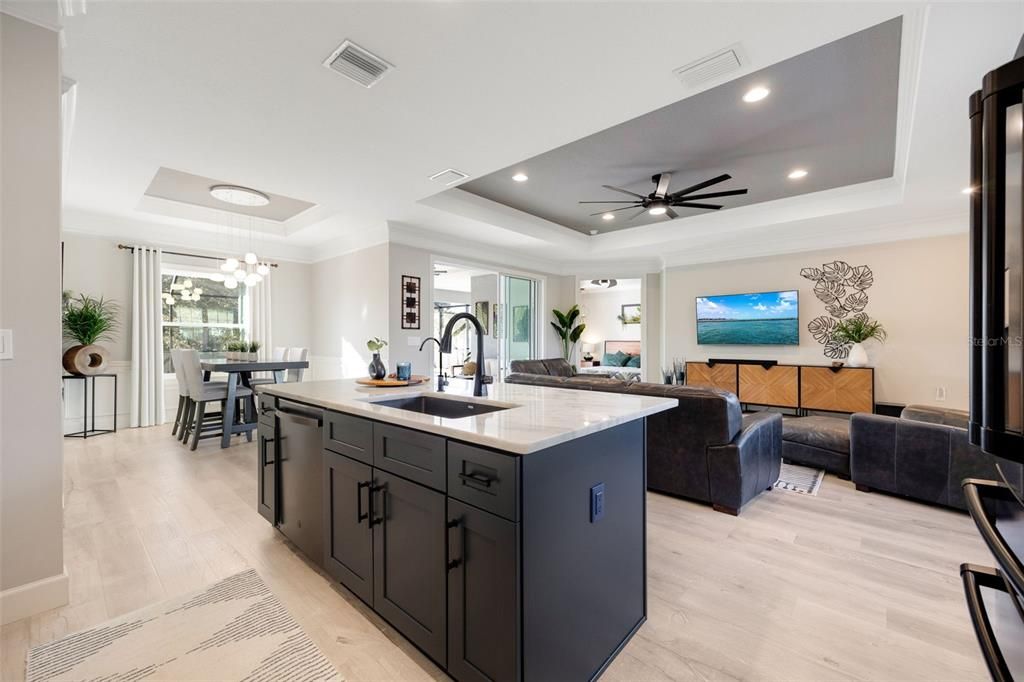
(832, 111)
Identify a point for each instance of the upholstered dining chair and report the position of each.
(297, 355)
(200, 392)
(280, 353)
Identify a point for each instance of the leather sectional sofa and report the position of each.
(923, 454)
(705, 449)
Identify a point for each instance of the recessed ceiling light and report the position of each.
(967, 190)
(593, 232)
(608, 216)
(756, 94)
(520, 177)
(797, 173)
(239, 196)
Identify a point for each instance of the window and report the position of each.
(206, 325)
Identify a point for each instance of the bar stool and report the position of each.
(185, 406)
(200, 393)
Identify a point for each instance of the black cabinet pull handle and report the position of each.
(360, 516)
(263, 453)
(384, 509)
(480, 479)
(454, 524)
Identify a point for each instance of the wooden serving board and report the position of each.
(416, 379)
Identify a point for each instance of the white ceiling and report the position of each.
(237, 91)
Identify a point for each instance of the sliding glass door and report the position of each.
(518, 332)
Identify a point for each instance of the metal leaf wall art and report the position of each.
(843, 289)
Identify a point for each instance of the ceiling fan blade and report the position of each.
(634, 217)
(613, 210)
(710, 207)
(663, 179)
(701, 185)
(609, 202)
(712, 195)
(624, 191)
(671, 214)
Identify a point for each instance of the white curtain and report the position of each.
(259, 316)
(147, 385)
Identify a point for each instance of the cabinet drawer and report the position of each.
(484, 479)
(348, 435)
(414, 455)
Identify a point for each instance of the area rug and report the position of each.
(798, 479)
(235, 629)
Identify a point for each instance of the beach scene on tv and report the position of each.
(766, 318)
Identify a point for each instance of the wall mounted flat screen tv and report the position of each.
(768, 318)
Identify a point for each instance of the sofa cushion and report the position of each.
(936, 415)
(826, 433)
(558, 367)
(529, 367)
(634, 361)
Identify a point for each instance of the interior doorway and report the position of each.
(613, 341)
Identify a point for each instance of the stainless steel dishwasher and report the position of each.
(300, 457)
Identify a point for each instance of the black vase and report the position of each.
(377, 368)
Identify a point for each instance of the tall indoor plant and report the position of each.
(87, 320)
(855, 331)
(565, 325)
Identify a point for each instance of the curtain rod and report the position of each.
(188, 255)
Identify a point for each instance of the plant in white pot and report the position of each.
(87, 320)
(855, 331)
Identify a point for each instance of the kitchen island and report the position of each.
(503, 536)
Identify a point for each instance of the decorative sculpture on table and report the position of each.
(87, 320)
(843, 289)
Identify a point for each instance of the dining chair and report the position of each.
(280, 353)
(182, 392)
(200, 392)
(297, 355)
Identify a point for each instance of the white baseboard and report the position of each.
(35, 597)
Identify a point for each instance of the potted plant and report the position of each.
(254, 350)
(377, 368)
(856, 331)
(568, 331)
(85, 321)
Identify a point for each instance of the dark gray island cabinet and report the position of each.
(497, 565)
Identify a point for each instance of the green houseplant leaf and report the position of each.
(567, 329)
(859, 329)
(87, 320)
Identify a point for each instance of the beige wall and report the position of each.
(349, 305)
(919, 294)
(601, 309)
(31, 553)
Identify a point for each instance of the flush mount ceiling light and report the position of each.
(520, 177)
(239, 196)
(594, 232)
(603, 283)
(797, 174)
(756, 94)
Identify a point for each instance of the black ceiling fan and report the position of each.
(661, 201)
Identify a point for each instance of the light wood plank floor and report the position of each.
(841, 586)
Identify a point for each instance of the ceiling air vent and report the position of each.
(357, 64)
(449, 176)
(711, 67)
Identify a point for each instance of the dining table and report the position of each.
(240, 373)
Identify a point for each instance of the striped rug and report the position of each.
(235, 629)
(798, 479)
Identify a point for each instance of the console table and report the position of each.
(801, 387)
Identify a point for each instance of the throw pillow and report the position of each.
(634, 361)
(616, 359)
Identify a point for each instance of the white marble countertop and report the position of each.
(538, 416)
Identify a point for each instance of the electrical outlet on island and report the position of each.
(940, 394)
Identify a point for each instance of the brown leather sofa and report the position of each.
(705, 449)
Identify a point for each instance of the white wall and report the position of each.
(32, 577)
(601, 309)
(349, 305)
(920, 294)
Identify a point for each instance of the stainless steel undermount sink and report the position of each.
(446, 408)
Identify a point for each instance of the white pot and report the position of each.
(858, 356)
